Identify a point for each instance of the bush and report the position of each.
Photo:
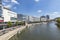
(22, 23)
(58, 25)
(9, 24)
(58, 22)
(16, 23)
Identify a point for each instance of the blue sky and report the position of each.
(35, 8)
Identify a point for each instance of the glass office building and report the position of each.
(1, 18)
(21, 17)
(0, 11)
(0, 8)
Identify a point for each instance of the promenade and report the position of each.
(11, 33)
(42, 31)
(6, 34)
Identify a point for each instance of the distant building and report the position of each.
(7, 15)
(48, 18)
(21, 17)
(43, 18)
(31, 19)
(36, 19)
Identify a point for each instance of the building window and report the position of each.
(12, 18)
(0, 7)
(0, 1)
(0, 11)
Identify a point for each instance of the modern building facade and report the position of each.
(48, 18)
(30, 18)
(6, 14)
(36, 19)
(33, 19)
(9, 15)
(21, 17)
(1, 18)
(43, 18)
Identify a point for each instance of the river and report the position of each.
(42, 31)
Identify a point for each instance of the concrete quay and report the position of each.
(10, 34)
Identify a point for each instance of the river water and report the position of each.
(42, 31)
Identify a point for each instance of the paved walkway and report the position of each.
(4, 31)
(6, 34)
(11, 33)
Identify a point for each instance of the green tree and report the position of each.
(9, 24)
(22, 23)
(58, 22)
(17, 23)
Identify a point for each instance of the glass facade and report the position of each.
(21, 17)
(0, 1)
(0, 8)
(1, 18)
(47, 16)
(12, 18)
(0, 11)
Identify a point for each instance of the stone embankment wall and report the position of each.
(10, 34)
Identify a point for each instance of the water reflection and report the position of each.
(46, 31)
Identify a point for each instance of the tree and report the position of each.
(22, 23)
(17, 23)
(58, 22)
(9, 24)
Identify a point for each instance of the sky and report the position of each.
(35, 8)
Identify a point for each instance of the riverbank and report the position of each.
(39, 32)
(12, 33)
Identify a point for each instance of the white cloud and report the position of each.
(37, 0)
(39, 11)
(14, 1)
(6, 0)
(8, 6)
(54, 14)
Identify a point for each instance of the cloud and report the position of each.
(8, 6)
(14, 1)
(37, 0)
(54, 14)
(10, 3)
(6, 0)
(39, 11)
